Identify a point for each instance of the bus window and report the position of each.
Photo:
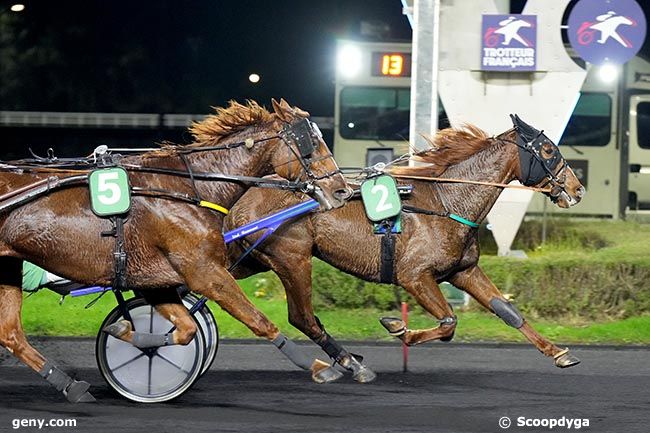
(643, 124)
(375, 113)
(590, 124)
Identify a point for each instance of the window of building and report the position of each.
(643, 124)
(375, 113)
(591, 121)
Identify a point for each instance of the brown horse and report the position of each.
(168, 242)
(432, 248)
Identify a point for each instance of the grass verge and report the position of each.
(43, 316)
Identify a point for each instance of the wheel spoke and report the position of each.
(128, 362)
(169, 361)
(149, 377)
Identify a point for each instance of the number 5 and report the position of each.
(109, 192)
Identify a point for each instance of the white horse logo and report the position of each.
(509, 28)
(607, 24)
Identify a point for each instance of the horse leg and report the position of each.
(478, 285)
(297, 284)
(427, 293)
(221, 287)
(12, 337)
(168, 304)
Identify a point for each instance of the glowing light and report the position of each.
(349, 61)
(254, 78)
(608, 73)
(18, 7)
(351, 125)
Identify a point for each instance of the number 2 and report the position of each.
(111, 192)
(381, 205)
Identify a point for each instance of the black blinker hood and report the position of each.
(301, 132)
(527, 132)
(534, 168)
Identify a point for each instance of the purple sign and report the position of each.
(607, 31)
(509, 43)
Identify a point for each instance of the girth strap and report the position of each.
(119, 253)
(386, 270)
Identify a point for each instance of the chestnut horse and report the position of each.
(168, 242)
(432, 248)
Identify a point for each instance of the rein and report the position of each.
(259, 182)
(473, 182)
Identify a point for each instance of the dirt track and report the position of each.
(450, 388)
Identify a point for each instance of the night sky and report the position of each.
(180, 56)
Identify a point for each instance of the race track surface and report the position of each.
(449, 388)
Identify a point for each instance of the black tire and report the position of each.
(148, 376)
(208, 325)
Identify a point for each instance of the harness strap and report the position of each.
(387, 264)
(170, 195)
(183, 158)
(119, 253)
(453, 216)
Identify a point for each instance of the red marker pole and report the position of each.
(405, 348)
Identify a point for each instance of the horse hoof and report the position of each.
(364, 375)
(395, 326)
(322, 372)
(77, 392)
(565, 360)
(448, 338)
(118, 329)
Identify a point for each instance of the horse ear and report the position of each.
(276, 105)
(279, 109)
(284, 104)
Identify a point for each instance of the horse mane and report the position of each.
(230, 120)
(237, 117)
(448, 147)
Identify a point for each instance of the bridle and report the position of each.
(306, 136)
(536, 170)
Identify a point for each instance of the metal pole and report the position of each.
(424, 79)
(405, 348)
(544, 221)
(622, 137)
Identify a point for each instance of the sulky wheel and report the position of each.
(208, 325)
(148, 375)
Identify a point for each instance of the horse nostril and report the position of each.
(343, 194)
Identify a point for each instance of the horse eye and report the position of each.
(548, 148)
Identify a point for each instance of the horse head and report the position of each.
(284, 142)
(308, 159)
(541, 164)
